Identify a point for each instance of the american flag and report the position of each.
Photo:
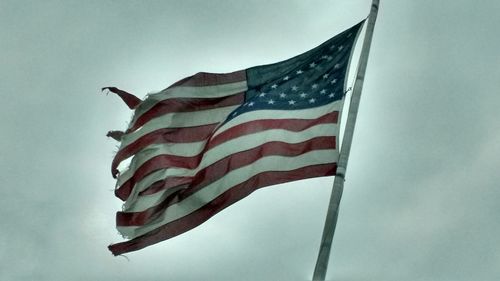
(209, 140)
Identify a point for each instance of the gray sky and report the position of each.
(421, 201)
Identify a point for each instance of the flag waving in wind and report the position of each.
(209, 140)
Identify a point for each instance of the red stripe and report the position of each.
(294, 125)
(201, 79)
(157, 163)
(124, 191)
(222, 167)
(130, 100)
(231, 196)
(153, 164)
(166, 135)
(165, 184)
(186, 105)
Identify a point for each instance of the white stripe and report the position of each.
(216, 91)
(137, 203)
(309, 113)
(157, 149)
(177, 120)
(212, 191)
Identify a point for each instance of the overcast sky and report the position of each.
(422, 196)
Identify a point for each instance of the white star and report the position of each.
(341, 47)
(250, 103)
(262, 95)
(295, 88)
(326, 75)
(274, 86)
(291, 102)
(349, 35)
(331, 95)
(329, 58)
(314, 86)
(286, 78)
(312, 65)
(324, 56)
(332, 47)
(299, 71)
(282, 95)
(337, 66)
(270, 102)
(322, 92)
(234, 113)
(333, 81)
(303, 95)
(312, 100)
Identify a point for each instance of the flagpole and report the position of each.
(338, 184)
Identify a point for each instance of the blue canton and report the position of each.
(312, 79)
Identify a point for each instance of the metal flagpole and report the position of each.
(338, 184)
